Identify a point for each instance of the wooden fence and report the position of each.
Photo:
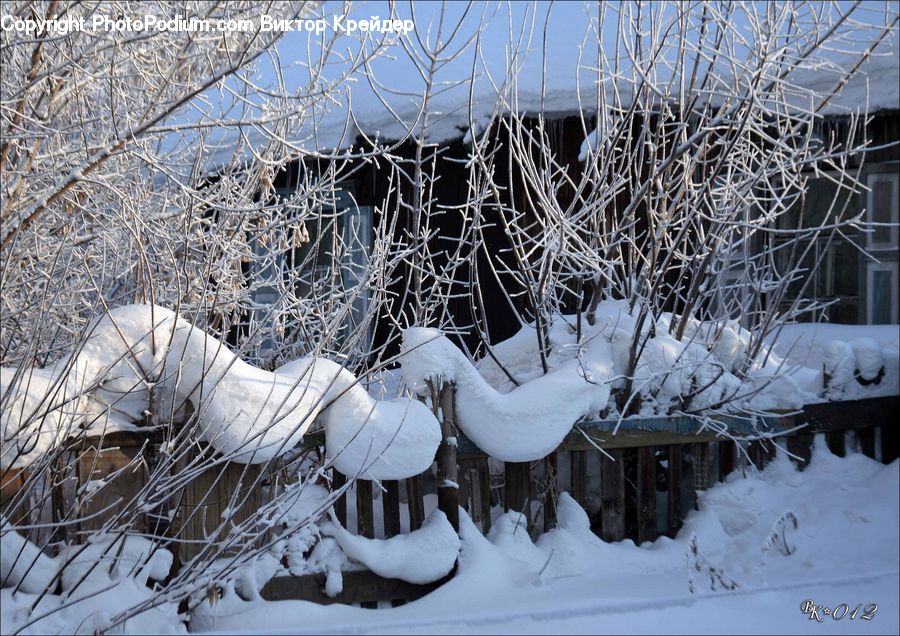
(647, 462)
(640, 483)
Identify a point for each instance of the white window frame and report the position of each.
(894, 179)
(871, 268)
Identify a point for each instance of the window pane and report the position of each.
(881, 296)
(845, 269)
(822, 198)
(881, 209)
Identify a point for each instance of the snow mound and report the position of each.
(36, 415)
(522, 425)
(246, 413)
(100, 581)
(422, 556)
(22, 563)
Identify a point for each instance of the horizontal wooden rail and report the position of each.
(360, 586)
(637, 431)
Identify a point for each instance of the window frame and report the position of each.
(894, 179)
(871, 268)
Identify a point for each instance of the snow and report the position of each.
(22, 564)
(571, 42)
(839, 351)
(421, 556)
(98, 580)
(846, 549)
(92, 565)
(253, 415)
(708, 368)
(35, 417)
(524, 424)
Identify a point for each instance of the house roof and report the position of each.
(567, 89)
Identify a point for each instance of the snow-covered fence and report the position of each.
(637, 483)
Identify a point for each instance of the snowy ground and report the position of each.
(845, 550)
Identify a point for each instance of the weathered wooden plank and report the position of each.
(646, 494)
(415, 491)
(466, 495)
(390, 503)
(484, 492)
(633, 439)
(631, 507)
(664, 431)
(889, 442)
(674, 484)
(222, 495)
(15, 502)
(758, 455)
(726, 459)
(866, 437)
(98, 465)
(550, 494)
(700, 462)
(800, 444)
(837, 442)
(517, 488)
(338, 479)
(688, 483)
(360, 586)
(447, 474)
(612, 496)
(365, 515)
(847, 415)
(578, 479)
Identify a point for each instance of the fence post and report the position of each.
(612, 496)
(365, 518)
(674, 489)
(516, 491)
(866, 437)
(837, 442)
(447, 473)
(390, 503)
(646, 491)
(800, 444)
(340, 504)
(726, 459)
(550, 495)
(578, 477)
(889, 450)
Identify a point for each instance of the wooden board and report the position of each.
(674, 489)
(338, 479)
(15, 504)
(612, 496)
(390, 501)
(646, 494)
(360, 586)
(517, 489)
(212, 495)
(800, 444)
(726, 459)
(578, 480)
(365, 515)
(889, 442)
(848, 415)
(415, 491)
(98, 465)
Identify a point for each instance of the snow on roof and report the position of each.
(556, 80)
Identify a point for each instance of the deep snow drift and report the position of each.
(844, 549)
(709, 368)
(141, 357)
